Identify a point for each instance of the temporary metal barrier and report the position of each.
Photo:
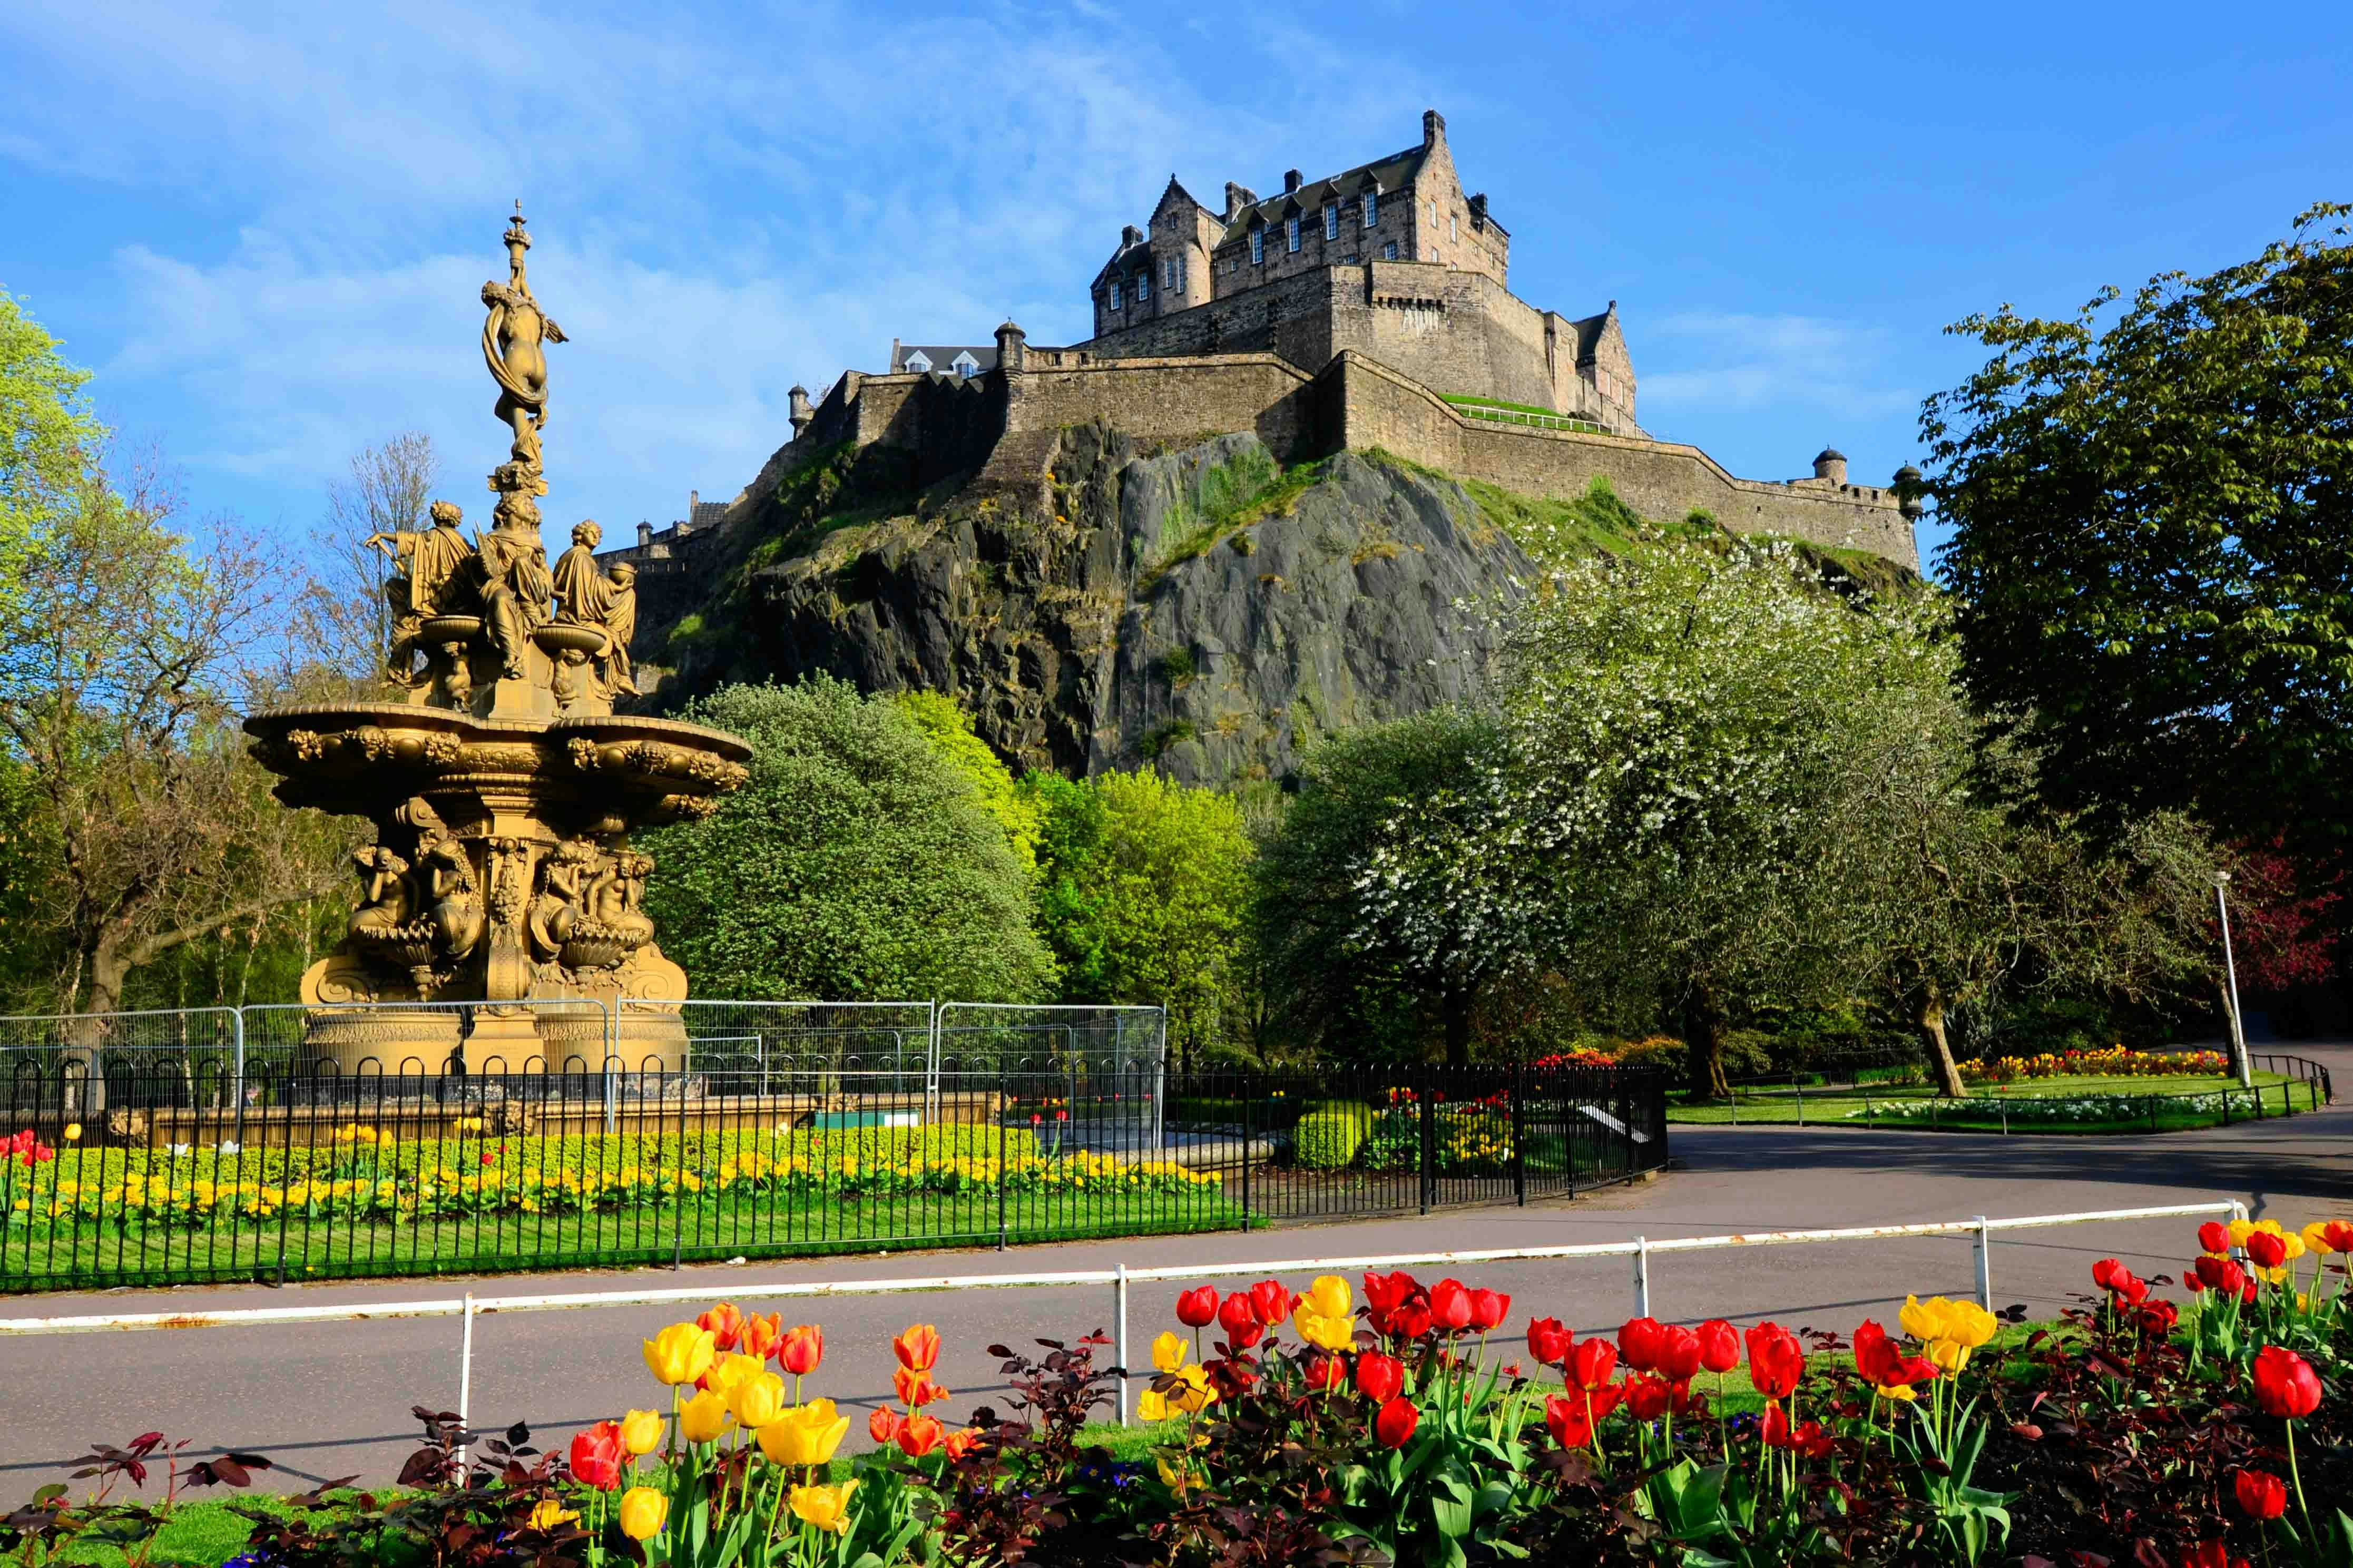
(1120, 1278)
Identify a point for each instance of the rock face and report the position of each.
(1100, 606)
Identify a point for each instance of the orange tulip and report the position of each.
(963, 1441)
(761, 1335)
(883, 1424)
(918, 1349)
(919, 1436)
(801, 1349)
(725, 1323)
(916, 1389)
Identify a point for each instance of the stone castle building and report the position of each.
(1370, 308)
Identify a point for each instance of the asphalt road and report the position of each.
(333, 1400)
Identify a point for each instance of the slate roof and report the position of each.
(942, 355)
(1390, 175)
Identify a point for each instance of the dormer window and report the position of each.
(1291, 232)
(1258, 248)
(965, 365)
(1372, 208)
(1331, 220)
(918, 363)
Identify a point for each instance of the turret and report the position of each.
(1907, 492)
(1012, 349)
(1830, 464)
(645, 535)
(803, 414)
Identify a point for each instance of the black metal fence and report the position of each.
(187, 1171)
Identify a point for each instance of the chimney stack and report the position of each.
(1290, 181)
(1433, 128)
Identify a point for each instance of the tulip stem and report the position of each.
(2296, 1476)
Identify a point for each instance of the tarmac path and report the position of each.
(331, 1400)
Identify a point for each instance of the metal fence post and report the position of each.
(465, 1381)
(1246, 1162)
(1001, 1172)
(1119, 1316)
(1519, 1142)
(1641, 1276)
(1985, 1265)
(1429, 1160)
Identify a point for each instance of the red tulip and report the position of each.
(1384, 1295)
(2104, 1271)
(1592, 1363)
(2214, 1237)
(1412, 1319)
(1548, 1341)
(1239, 1317)
(2260, 1496)
(1679, 1357)
(1395, 1422)
(1719, 1345)
(918, 1349)
(802, 1348)
(2190, 1282)
(1570, 1422)
(1271, 1300)
(1324, 1373)
(2339, 1234)
(2286, 1384)
(2129, 1288)
(1807, 1438)
(2211, 1554)
(1450, 1307)
(2267, 1250)
(1379, 1376)
(1883, 1364)
(597, 1456)
(883, 1424)
(2158, 1316)
(2221, 1273)
(1648, 1397)
(1638, 1343)
(726, 1326)
(1775, 1361)
(1198, 1309)
(1488, 1311)
(919, 1435)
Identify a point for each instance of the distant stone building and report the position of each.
(962, 361)
(1390, 259)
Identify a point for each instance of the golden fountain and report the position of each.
(503, 785)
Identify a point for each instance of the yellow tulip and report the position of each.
(826, 1508)
(1923, 1320)
(1330, 1297)
(1898, 1391)
(1947, 1356)
(1968, 1324)
(643, 1510)
(1193, 1393)
(2294, 1246)
(2316, 1238)
(550, 1513)
(805, 1435)
(73, 1132)
(758, 1399)
(1169, 1352)
(1151, 1406)
(680, 1354)
(1177, 1479)
(732, 1371)
(703, 1417)
(2241, 1229)
(1322, 1331)
(641, 1431)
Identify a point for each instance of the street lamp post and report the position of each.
(2231, 968)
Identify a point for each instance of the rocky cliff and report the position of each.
(1095, 605)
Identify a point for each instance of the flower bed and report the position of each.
(2114, 1062)
(1401, 1423)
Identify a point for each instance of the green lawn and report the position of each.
(2064, 1105)
(782, 1227)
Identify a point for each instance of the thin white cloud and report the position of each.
(1707, 362)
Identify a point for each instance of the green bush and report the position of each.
(1660, 1053)
(1327, 1139)
(1356, 1111)
(1747, 1052)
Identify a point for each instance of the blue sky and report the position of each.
(265, 226)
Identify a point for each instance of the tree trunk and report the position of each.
(1456, 1007)
(1931, 1020)
(1703, 1043)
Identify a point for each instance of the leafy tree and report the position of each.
(1352, 973)
(944, 719)
(1142, 890)
(857, 864)
(2152, 542)
(48, 437)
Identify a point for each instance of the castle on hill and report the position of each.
(1370, 308)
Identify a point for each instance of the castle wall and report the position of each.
(1178, 399)
(1372, 406)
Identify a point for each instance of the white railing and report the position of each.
(1120, 1278)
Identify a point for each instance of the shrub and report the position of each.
(1747, 1052)
(1327, 1139)
(1660, 1053)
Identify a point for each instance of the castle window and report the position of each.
(1389, 250)
(964, 365)
(1451, 232)
(1291, 232)
(1372, 208)
(1331, 220)
(1114, 295)
(1258, 248)
(1142, 287)
(918, 364)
